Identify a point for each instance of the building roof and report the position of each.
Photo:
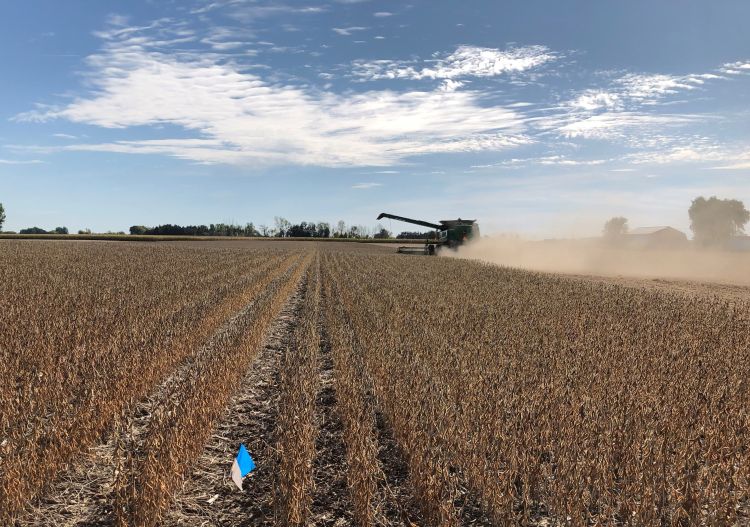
(651, 230)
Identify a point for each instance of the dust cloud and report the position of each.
(594, 257)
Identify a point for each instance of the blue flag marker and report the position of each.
(242, 466)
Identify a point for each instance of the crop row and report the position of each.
(184, 418)
(551, 398)
(296, 425)
(356, 413)
(88, 330)
(530, 397)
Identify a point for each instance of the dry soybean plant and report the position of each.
(554, 399)
(183, 420)
(296, 426)
(357, 414)
(534, 398)
(87, 329)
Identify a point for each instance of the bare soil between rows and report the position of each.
(208, 496)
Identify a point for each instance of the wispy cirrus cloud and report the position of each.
(704, 151)
(242, 118)
(618, 125)
(20, 162)
(638, 89)
(249, 12)
(207, 83)
(549, 160)
(346, 31)
(366, 186)
(627, 110)
(465, 61)
(742, 165)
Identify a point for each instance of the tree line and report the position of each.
(282, 228)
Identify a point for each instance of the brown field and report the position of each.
(371, 388)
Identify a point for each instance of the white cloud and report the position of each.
(366, 186)
(552, 160)
(679, 154)
(616, 125)
(745, 165)
(249, 12)
(466, 61)
(348, 30)
(241, 118)
(19, 162)
(65, 136)
(596, 99)
(560, 160)
(693, 150)
(450, 85)
(736, 68)
(222, 38)
(634, 90)
(206, 8)
(643, 87)
(617, 111)
(382, 14)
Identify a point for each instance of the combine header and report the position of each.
(451, 233)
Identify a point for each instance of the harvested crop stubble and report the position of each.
(296, 427)
(551, 398)
(182, 422)
(87, 329)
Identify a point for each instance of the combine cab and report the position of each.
(450, 234)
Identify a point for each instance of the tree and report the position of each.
(61, 230)
(714, 221)
(364, 231)
(33, 230)
(84, 231)
(138, 229)
(2, 216)
(383, 233)
(282, 226)
(340, 229)
(265, 230)
(324, 230)
(615, 228)
(250, 230)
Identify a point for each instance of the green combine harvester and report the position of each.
(450, 233)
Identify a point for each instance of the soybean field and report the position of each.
(371, 388)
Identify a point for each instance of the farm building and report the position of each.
(656, 237)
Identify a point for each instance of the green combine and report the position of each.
(450, 233)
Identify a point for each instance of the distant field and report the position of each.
(157, 238)
(372, 388)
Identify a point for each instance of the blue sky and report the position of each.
(538, 117)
